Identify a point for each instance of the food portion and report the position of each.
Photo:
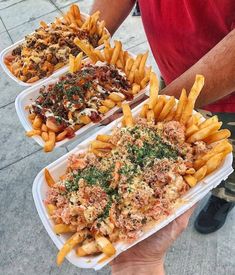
(48, 48)
(133, 178)
(84, 95)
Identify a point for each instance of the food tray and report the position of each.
(58, 168)
(9, 49)
(27, 96)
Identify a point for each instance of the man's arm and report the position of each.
(218, 67)
(113, 12)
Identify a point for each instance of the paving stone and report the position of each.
(63, 3)
(2, 28)
(5, 40)
(14, 144)
(25, 11)
(84, 5)
(21, 31)
(9, 89)
(7, 3)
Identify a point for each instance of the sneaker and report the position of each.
(213, 215)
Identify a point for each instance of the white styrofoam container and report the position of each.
(9, 49)
(58, 168)
(27, 96)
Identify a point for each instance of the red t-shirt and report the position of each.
(181, 32)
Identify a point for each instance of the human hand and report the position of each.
(147, 257)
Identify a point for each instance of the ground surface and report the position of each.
(25, 247)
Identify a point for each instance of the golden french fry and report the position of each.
(103, 39)
(104, 138)
(146, 79)
(49, 179)
(62, 228)
(150, 116)
(214, 162)
(45, 136)
(158, 107)
(142, 65)
(137, 77)
(191, 180)
(84, 119)
(107, 54)
(61, 135)
(50, 208)
(190, 171)
(181, 104)
(50, 144)
(167, 108)
(97, 144)
(205, 132)
(77, 238)
(86, 48)
(207, 122)
(170, 115)
(135, 88)
(105, 246)
(116, 52)
(144, 110)
(71, 64)
(78, 62)
(219, 135)
(44, 128)
(88, 249)
(194, 120)
(153, 93)
(200, 173)
(33, 133)
(191, 130)
(108, 103)
(116, 97)
(127, 115)
(100, 153)
(101, 27)
(31, 116)
(129, 64)
(103, 109)
(37, 123)
(99, 55)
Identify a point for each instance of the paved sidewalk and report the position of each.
(25, 247)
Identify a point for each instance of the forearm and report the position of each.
(135, 269)
(113, 12)
(218, 68)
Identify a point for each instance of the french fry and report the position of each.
(107, 54)
(49, 179)
(77, 238)
(64, 228)
(84, 119)
(191, 180)
(45, 136)
(219, 135)
(205, 132)
(100, 153)
(167, 108)
(88, 249)
(33, 133)
(143, 64)
(71, 64)
(105, 246)
(190, 171)
(96, 144)
(200, 173)
(135, 88)
(128, 66)
(116, 97)
(99, 55)
(144, 110)
(104, 138)
(50, 208)
(86, 48)
(78, 62)
(181, 104)
(153, 94)
(150, 116)
(170, 115)
(214, 162)
(127, 115)
(146, 79)
(103, 39)
(207, 122)
(37, 123)
(134, 67)
(191, 130)
(194, 120)
(44, 128)
(103, 109)
(108, 103)
(116, 52)
(31, 116)
(158, 107)
(50, 144)
(61, 135)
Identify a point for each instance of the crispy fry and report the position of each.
(62, 228)
(45, 136)
(150, 116)
(153, 94)
(108, 103)
(127, 115)
(103, 109)
(143, 64)
(214, 162)
(61, 135)
(135, 88)
(116, 52)
(146, 79)
(33, 133)
(50, 144)
(78, 62)
(104, 138)
(77, 238)
(96, 144)
(144, 110)
(105, 246)
(71, 64)
(49, 179)
(181, 104)
(158, 107)
(219, 135)
(200, 173)
(88, 249)
(167, 108)
(191, 130)
(37, 123)
(50, 208)
(205, 132)
(116, 97)
(84, 119)
(207, 122)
